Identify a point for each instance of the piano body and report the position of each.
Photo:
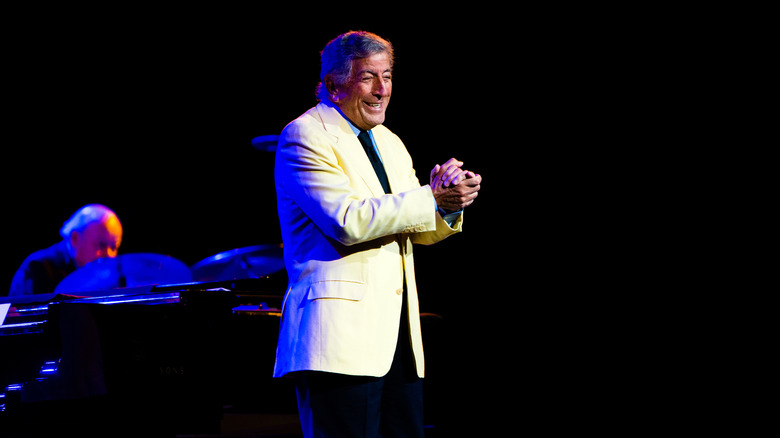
(156, 360)
(171, 356)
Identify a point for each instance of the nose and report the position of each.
(381, 88)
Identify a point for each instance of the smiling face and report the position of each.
(365, 96)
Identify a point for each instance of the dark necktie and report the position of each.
(365, 140)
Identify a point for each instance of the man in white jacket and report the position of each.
(350, 208)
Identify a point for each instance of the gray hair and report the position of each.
(84, 216)
(338, 54)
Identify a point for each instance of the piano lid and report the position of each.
(125, 270)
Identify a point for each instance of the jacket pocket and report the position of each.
(342, 281)
(339, 289)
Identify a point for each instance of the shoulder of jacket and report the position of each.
(307, 124)
(309, 117)
(383, 132)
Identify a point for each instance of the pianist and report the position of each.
(93, 232)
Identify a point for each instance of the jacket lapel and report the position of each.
(339, 127)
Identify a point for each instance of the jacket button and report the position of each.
(400, 291)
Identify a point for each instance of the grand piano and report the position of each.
(156, 360)
(165, 358)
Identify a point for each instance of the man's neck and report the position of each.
(352, 124)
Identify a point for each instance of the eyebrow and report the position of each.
(389, 70)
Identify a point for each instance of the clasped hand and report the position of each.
(454, 188)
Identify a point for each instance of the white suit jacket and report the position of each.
(348, 246)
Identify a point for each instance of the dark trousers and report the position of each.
(341, 406)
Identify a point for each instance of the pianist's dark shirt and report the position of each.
(42, 270)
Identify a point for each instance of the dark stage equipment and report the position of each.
(265, 143)
(163, 358)
(125, 270)
(240, 263)
(156, 360)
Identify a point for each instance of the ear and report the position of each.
(330, 86)
(74, 239)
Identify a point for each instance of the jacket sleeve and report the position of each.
(442, 229)
(314, 176)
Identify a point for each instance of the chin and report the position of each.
(374, 121)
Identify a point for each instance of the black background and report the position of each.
(152, 112)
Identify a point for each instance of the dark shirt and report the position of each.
(42, 270)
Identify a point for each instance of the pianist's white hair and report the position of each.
(84, 216)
